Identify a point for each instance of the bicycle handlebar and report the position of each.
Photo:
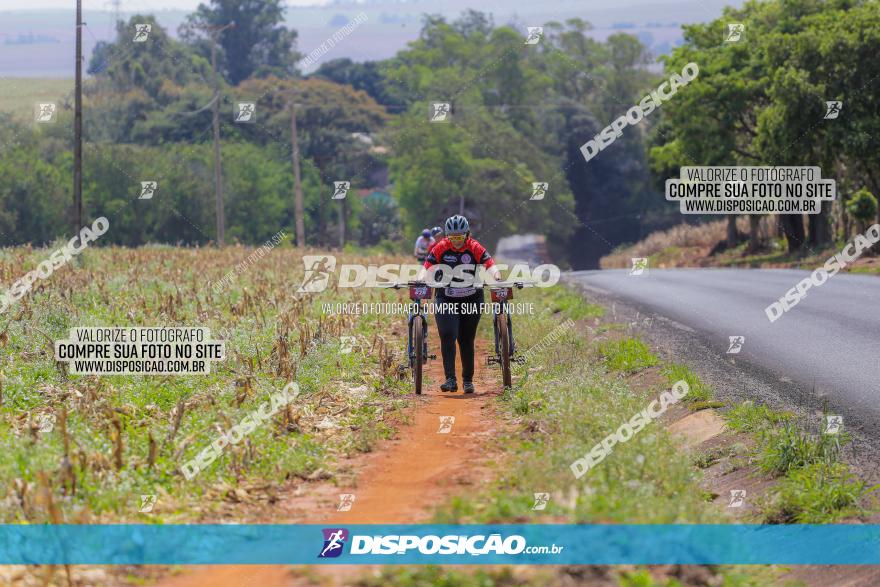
(516, 284)
(409, 284)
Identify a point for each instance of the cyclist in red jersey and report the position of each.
(459, 313)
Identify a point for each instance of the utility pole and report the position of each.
(77, 125)
(218, 176)
(117, 16)
(213, 32)
(342, 215)
(298, 212)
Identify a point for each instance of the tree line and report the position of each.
(763, 100)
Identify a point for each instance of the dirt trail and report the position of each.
(401, 482)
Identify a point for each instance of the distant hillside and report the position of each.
(390, 26)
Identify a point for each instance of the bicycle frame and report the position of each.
(416, 314)
(415, 318)
(502, 326)
(499, 310)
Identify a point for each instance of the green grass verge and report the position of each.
(817, 493)
(570, 304)
(815, 486)
(788, 447)
(752, 418)
(627, 355)
(698, 390)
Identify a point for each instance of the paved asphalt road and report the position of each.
(831, 339)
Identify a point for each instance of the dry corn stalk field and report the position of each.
(85, 449)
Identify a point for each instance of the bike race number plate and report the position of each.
(420, 292)
(502, 294)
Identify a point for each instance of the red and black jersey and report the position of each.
(473, 253)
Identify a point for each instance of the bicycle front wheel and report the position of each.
(504, 348)
(418, 340)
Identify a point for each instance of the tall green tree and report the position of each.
(487, 157)
(147, 66)
(258, 44)
(151, 92)
(593, 83)
(824, 58)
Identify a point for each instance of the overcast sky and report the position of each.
(127, 5)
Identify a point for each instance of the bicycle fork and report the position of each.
(502, 314)
(417, 319)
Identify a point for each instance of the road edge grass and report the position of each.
(815, 486)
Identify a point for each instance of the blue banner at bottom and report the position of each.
(515, 544)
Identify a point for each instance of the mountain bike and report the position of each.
(505, 344)
(417, 329)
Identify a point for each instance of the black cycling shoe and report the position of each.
(468, 387)
(450, 385)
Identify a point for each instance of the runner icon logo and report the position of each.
(318, 269)
(147, 503)
(346, 500)
(340, 189)
(440, 111)
(245, 112)
(346, 344)
(639, 266)
(541, 500)
(736, 344)
(833, 424)
(832, 109)
(142, 32)
(737, 498)
(539, 190)
(148, 189)
(534, 35)
(735, 32)
(334, 542)
(446, 423)
(45, 112)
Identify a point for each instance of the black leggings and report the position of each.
(459, 324)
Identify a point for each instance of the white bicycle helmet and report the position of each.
(457, 224)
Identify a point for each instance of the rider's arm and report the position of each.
(485, 259)
(416, 250)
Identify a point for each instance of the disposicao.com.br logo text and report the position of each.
(450, 544)
(320, 268)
